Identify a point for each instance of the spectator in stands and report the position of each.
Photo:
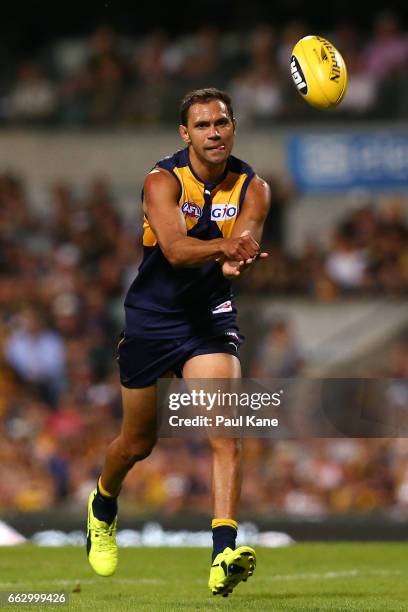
(37, 354)
(149, 69)
(203, 61)
(33, 97)
(346, 264)
(106, 94)
(257, 90)
(107, 69)
(386, 59)
(257, 94)
(362, 88)
(279, 354)
(390, 249)
(105, 44)
(288, 37)
(387, 51)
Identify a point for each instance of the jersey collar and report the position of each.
(207, 186)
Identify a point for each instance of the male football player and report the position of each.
(204, 214)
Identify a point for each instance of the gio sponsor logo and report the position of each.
(190, 209)
(223, 212)
(298, 76)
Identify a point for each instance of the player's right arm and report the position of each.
(160, 204)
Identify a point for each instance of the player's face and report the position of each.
(209, 131)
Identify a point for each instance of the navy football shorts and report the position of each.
(143, 360)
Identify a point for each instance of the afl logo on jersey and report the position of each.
(223, 212)
(190, 209)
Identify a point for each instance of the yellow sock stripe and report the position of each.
(224, 523)
(102, 489)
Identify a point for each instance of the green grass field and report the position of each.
(345, 576)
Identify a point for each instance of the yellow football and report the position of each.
(319, 72)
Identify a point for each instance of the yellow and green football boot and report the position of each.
(101, 543)
(231, 567)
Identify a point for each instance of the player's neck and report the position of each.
(207, 173)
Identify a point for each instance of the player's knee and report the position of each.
(136, 450)
(230, 446)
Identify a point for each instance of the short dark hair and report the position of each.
(201, 96)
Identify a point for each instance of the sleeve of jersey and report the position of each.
(168, 163)
(249, 176)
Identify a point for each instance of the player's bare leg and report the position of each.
(136, 439)
(135, 442)
(226, 478)
(230, 565)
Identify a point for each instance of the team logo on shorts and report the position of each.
(224, 307)
(190, 209)
(223, 212)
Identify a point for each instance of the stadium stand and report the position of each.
(105, 78)
(62, 281)
(70, 244)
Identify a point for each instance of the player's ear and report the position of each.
(184, 134)
(234, 123)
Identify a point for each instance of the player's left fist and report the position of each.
(232, 269)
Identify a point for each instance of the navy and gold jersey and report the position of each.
(165, 301)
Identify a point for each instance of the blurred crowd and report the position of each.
(64, 270)
(365, 253)
(108, 79)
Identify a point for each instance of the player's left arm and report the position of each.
(251, 219)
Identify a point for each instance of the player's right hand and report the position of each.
(241, 248)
